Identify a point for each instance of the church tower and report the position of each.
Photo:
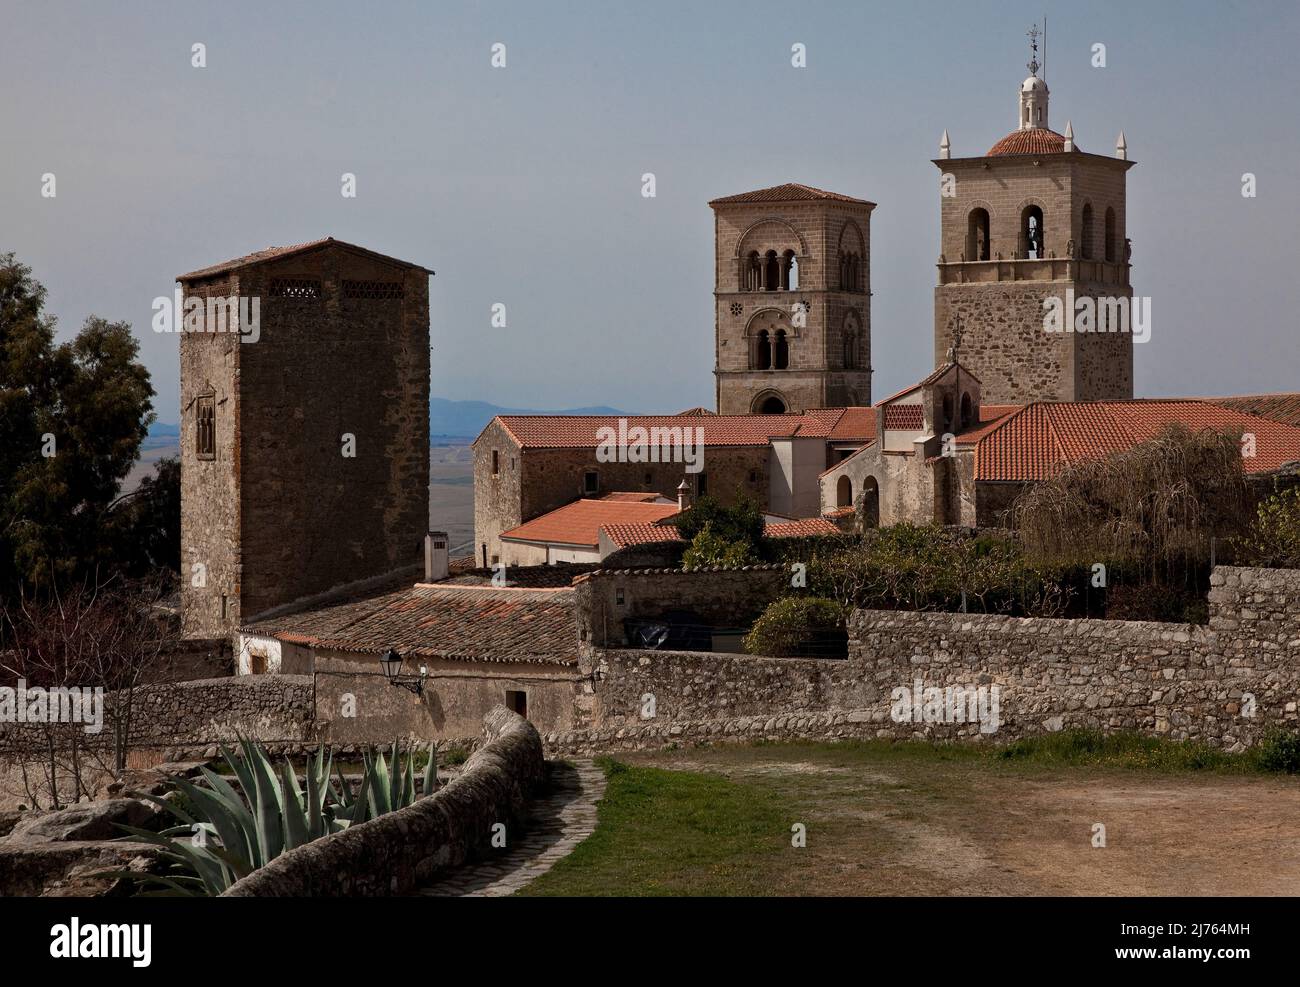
(792, 290)
(1036, 218)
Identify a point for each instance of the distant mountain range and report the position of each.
(447, 419)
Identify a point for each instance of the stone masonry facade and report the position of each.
(822, 371)
(994, 292)
(278, 511)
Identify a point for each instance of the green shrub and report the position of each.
(1280, 751)
(742, 522)
(796, 620)
(709, 548)
(1273, 537)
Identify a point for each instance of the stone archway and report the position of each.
(844, 492)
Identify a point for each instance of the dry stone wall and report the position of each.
(1225, 684)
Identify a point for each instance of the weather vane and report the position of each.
(1032, 35)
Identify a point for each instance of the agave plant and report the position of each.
(224, 833)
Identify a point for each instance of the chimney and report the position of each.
(435, 556)
(683, 496)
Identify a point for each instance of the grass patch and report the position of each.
(674, 833)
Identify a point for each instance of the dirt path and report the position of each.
(881, 825)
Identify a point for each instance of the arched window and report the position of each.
(977, 235)
(773, 272)
(967, 410)
(871, 503)
(789, 271)
(772, 406)
(844, 492)
(763, 351)
(1086, 231)
(1032, 234)
(1110, 235)
(850, 350)
(753, 272)
(781, 358)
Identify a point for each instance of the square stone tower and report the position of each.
(304, 430)
(792, 292)
(1034, 218)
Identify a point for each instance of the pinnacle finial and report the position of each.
(1069, 136)
(945, 146)
(1121, 147)
(1032, 35)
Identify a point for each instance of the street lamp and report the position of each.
(391, 663)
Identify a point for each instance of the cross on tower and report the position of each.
(955, 337)
(1032, 35)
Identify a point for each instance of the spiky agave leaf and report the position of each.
(238, 805)
(216, 876)
(294, 816)
(222, 811)
(431, 769)
(268, 806)
(395, 780)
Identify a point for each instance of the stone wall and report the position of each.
(1225, 684)
(398, 852)
(606, 598)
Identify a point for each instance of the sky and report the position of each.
(522, 185)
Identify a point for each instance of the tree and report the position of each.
(708, 548)
(742, 522)
(72, 418)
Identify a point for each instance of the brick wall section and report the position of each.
(1170, 680)
(398, 852)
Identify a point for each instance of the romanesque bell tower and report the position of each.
(792, 291)
(1035, 218)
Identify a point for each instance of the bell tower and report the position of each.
(792, 295)
(1035, 226)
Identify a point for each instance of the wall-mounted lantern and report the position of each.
(391, 663)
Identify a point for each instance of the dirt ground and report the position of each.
(880, 824)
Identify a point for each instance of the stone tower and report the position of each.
(304, 431)
(792, 291)
(1035, 218)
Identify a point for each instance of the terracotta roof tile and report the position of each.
(1035, 140)
(1037, 441)
(643, 533)
(579, 523)
(803, 528)
(631, 496)
(469, 623)
(855, 425)
(789, 192)
(1284, 408)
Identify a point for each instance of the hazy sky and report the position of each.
(522, 185)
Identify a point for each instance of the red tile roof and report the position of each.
(1036, 140)
(840, 512)
(1037, 441)
(469, 623)
(789, 192)
(276, 253)
(804, 528)
(643, 533)
(855, 425)
(631, 496)
(581, 431)
(1284, 408)
(990, 415)
(579, 523)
